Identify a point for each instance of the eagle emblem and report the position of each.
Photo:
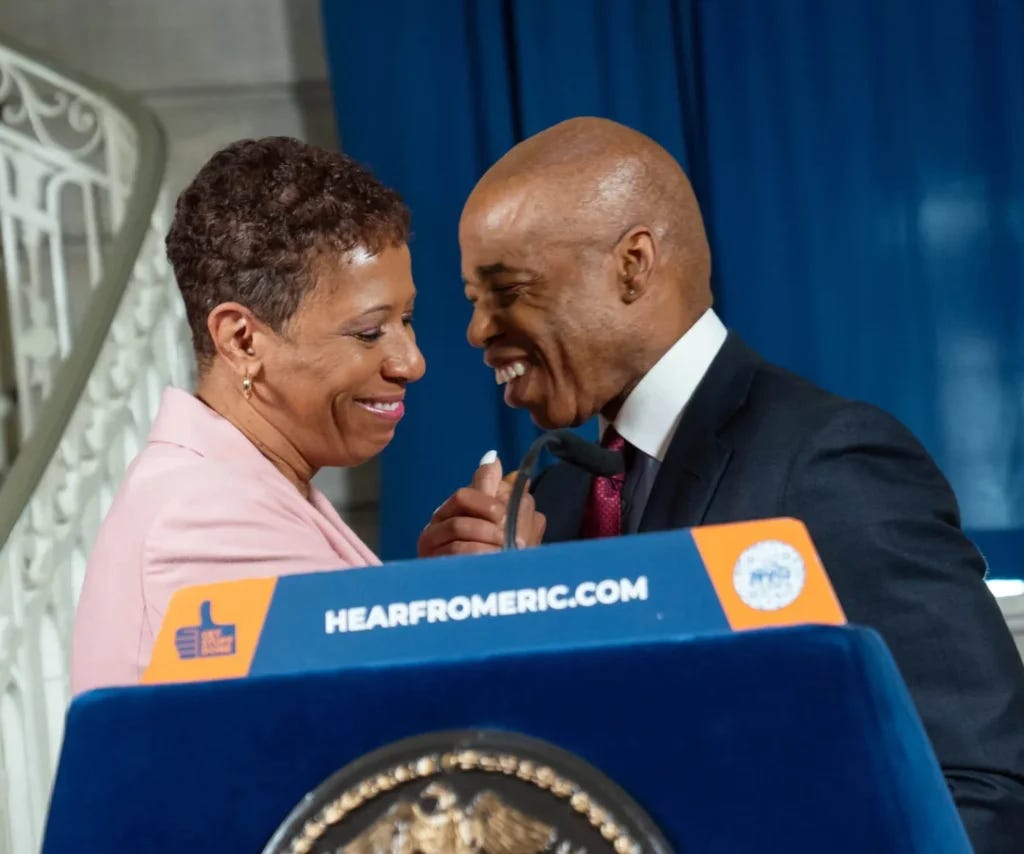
(467, 792)
(436, 823)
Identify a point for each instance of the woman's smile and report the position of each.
(390, 409)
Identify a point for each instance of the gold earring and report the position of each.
(247, 386)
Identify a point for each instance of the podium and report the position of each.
(677, 665)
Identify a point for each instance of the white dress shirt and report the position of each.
(650, 415)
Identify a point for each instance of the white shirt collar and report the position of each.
(650, 415)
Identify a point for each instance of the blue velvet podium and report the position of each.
(732, 738)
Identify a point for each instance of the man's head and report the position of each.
(585, 259)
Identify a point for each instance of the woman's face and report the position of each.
(334, 379)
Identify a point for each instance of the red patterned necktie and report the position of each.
(602, 517)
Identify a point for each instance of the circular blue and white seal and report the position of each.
(769, 575)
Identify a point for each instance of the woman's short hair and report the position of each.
(252, 224)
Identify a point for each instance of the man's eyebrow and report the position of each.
(488, 270)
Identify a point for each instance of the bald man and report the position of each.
(587, 266)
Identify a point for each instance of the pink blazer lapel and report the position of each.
(341, 537)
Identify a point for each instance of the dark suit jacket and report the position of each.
(757, 441)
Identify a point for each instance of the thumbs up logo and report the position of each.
(205, 640)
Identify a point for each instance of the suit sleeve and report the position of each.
(887, 527)
(200, 538)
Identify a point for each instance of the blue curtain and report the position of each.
(867, 175)
(429, 95)
(860, 166)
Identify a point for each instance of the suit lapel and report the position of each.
(698, 456)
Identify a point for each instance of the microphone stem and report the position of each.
(523, 475)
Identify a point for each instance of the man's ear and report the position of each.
(238, 337)
(635, 257)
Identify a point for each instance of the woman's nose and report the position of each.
(407, 365)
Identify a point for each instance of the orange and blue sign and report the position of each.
(721, 578)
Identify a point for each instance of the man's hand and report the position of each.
(472, 521)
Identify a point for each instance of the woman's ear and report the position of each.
(236, 332)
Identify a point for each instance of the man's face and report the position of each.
(547, 308)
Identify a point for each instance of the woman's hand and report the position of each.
(472, 521)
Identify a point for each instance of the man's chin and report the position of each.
(548, 420)
(545, 413)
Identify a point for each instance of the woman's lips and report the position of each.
(389, 410)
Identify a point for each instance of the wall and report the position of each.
(213, 72)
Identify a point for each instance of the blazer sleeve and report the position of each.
(887, 527)
(199, 537)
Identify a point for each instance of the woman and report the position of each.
(296, 278)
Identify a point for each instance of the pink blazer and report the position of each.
(199, 504)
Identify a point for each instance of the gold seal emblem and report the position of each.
(478, 792)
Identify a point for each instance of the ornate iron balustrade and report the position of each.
(96, 330)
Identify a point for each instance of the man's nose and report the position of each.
(482, 327)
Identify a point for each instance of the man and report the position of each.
(585, 259)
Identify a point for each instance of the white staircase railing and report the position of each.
(93, 331)
(67, 158)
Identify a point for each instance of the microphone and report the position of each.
(569, 447)
(588, 456)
